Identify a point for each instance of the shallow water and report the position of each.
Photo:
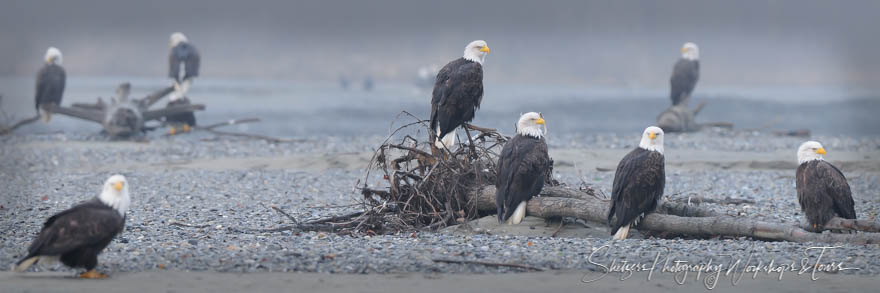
(300, 109)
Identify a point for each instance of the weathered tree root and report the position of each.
(681, 118)
(124, 116)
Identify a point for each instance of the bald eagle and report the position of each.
(50, 83)
(638, 183)
(821, 188)
(458, 90)
(685, 74)
(183, 66)
(77, 235)
(522, 167)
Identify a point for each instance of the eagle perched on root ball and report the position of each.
(458, 91)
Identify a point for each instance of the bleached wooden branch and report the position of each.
(567, 205)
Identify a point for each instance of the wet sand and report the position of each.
(172, 281)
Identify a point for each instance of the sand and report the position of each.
(565, 281)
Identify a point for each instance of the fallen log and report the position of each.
(596, 211)
(665, 207)
(837, 223)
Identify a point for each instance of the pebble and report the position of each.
(226, 199)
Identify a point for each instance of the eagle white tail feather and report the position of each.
(622, 233)
(180, 90)
(24, 265)
(46, 115)
(518, 214)
(447, 142)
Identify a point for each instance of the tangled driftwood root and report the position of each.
(418, 187)
(419, 190)
(427, 190)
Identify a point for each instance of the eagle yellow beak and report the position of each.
(484, 49)
(683, 49)
(820, 151)
(540, 121)
(117, 185)
(652, 135)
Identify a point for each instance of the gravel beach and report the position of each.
(214, 185)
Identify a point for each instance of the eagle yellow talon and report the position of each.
(186, 128)
(172, 131)
(92, 274)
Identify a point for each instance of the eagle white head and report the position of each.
(652, 139)
(53, 56)
(476, 51)
(690, 51)
(529, 124)
(115, 194)
(809, 151)
(177, 38)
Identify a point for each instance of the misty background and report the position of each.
(576, 59)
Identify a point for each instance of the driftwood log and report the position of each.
(681, 118)
(561, 202)
(5, 119)
(123, 116)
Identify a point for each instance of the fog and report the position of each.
(603, 43)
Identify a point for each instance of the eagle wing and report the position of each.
(684, 78)
(186, 55)
(836, 187)
(84, 224)
(638, 185)
(522, 166)
(50, 85)
(192, 63)
(457, 94)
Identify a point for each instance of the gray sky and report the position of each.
(611, 43)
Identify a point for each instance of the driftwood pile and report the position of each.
(421, 190)
(418, 190)
(125, 116)
(682, 118)
(121, 117)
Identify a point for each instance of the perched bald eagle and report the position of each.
(183, 66)
(638, 183)
(50, 83)
(821, 188)
(522, 167)
(77, 235)
(685, 74)
(458, 90)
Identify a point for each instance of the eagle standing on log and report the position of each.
(638, 183)
(522, 167)
(458, 90)
(50, 83)
(183, 66)
(76, 236)
(822, 190)
(685, 74)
